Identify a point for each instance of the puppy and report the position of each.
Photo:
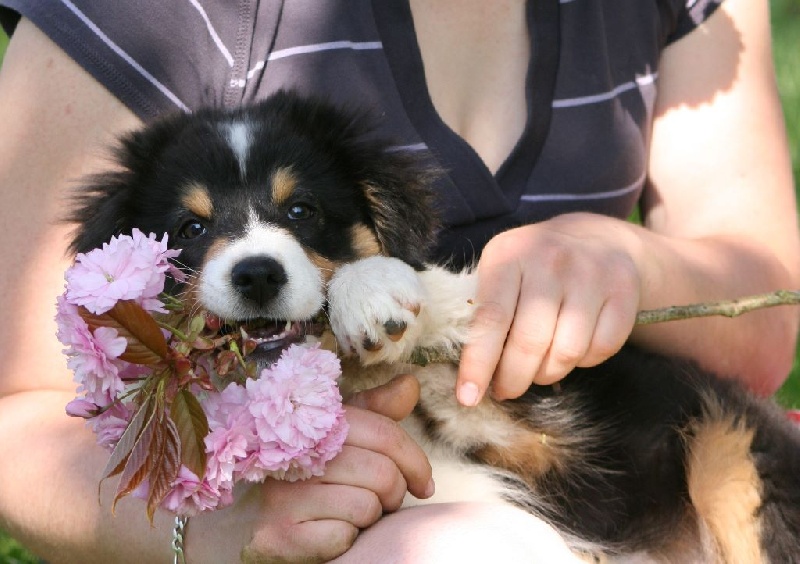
(293, 208)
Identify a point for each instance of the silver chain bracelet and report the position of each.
(178, 536)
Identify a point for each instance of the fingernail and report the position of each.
(468, 394)
(430, 489)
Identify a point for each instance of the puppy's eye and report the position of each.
(300, 212)
(192, 230)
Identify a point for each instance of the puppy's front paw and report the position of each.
(374, 306)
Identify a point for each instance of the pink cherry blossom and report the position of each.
(110, 424)
(296, 407)
(93, 358)
(126, 268)
(81, 407)
(190, 495)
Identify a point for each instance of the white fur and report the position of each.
(239, 135)
(300, 298)
(366, 294)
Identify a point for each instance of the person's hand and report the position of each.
(319, 519)
(551, 296)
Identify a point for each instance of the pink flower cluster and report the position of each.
(126, 268)
(129, 267)
(286, 424)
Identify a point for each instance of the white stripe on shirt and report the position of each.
(591, 196)
(213, 32)
(315, 48)
(127, 58)
(638, 82)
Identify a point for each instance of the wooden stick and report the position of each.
(732, 308)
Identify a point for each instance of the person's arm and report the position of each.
(57, 123)
(722, 189)
(720, 223)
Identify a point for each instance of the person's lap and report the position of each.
(459, 532)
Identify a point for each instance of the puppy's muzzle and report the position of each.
(258, 279)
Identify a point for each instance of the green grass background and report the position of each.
(786, 33)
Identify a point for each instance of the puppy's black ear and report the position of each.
(106, 204)
(99, 210)
(401, 205)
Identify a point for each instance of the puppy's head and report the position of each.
(265, 202)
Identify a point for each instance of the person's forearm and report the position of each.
(49, 496)
(758, 347)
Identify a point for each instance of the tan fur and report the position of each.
(216, 248)
(283, 183)
(380, 217)
(364, 241)
(725, 487)
(196, 199)
(325, 266)
(529, 454)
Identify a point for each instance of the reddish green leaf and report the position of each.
(122, 450)
(192, 425)
(164, 463)
(138, 465)
(146, 342)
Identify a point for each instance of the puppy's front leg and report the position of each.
(381, 309)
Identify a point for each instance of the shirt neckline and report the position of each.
(466, 169)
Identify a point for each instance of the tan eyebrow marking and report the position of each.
(283, 184)
(197, 200)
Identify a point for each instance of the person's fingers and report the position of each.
(528, 341)
(614, 325)
(384, 436)
(308, 522)
(571, 338)
(495, 306)
(367, 469)
(311, 541)
(395, 399)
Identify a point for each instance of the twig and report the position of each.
(731, 308)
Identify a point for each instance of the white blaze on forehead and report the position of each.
(239, 135)
(300, 298)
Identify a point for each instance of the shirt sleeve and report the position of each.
(684, 16)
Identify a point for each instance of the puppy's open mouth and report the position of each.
(267, 338)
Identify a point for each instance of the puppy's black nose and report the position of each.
(259, 279)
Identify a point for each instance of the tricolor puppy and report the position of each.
(292, 207)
